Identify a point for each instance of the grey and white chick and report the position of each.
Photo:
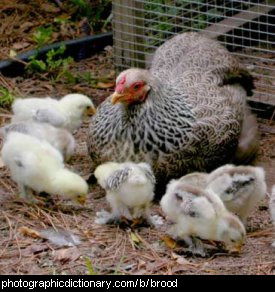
(241, 188)
(272, 208)
(67, 113)
(195, 212)
(37, 166)
(129, 190)
(61, 139)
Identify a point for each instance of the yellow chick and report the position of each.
(129, 188)
(65, 113)
(241, 188)
(61, 139)
(272, 208)
(195, 212)
(37, 166)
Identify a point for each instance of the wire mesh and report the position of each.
(246, 28)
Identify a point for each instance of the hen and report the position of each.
(184, 114)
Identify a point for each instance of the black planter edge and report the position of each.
(79, 48)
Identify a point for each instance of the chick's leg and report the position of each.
(26, 194)
(195, 246)
(118, 211)
(154, 220)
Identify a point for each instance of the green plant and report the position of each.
(42, 35)
(6, 97)
(90, 267)
(55, 64)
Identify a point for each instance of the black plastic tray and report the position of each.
(79, 49)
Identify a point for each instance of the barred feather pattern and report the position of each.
(190, 119)
(114, 181)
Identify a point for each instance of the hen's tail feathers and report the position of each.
(248, 141)
(242, 77)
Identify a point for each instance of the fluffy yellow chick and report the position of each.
(37, 166)
(129, 188)
(65, 113)
(272, 208)
(61, 139)
(239, 187)
(195, 212)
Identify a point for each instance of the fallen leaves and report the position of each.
(34, 249)
(26, 231)
(65, 255)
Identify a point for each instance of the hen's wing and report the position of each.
(201, 59)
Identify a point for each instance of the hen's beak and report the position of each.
(91, 111)
(81, 200)
(117, 97)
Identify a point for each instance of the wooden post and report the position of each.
(128, 26)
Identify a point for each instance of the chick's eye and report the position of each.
(178, 197)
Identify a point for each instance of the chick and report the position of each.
(129, 188)
(61, 139)
(37, 166)
(239, 187)
(195, 212)
(65, 113)
(272, 208)
(198, 179)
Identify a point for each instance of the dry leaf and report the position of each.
(34, 249)
(104, 85)
(29, 232)
(66, 255)
(135, 238)
(169, 242)
(12, 53)
(49, 8)
(180, 259)
(20, 46)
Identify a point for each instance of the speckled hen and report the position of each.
(184, 114)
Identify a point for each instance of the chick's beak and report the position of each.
(81, 200)
(237, 248)
(91, 111)
(117, 97)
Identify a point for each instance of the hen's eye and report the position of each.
(136, 87)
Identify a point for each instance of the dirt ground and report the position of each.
(111, 249)
(105, 249)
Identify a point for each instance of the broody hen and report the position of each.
(65, 113)
(61, 139)
(37, 166)
(184, 114)
(197, 212)
(129, 188)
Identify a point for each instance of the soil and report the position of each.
(112, 249)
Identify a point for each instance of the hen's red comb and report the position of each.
(120, 86)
